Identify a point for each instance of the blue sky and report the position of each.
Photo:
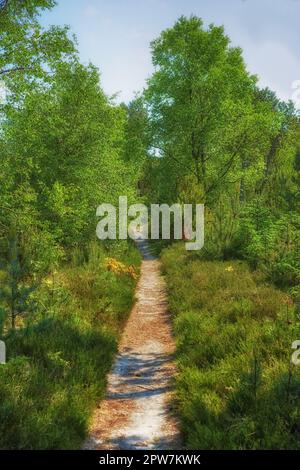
(115, 36)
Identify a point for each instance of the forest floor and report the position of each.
(137, 412)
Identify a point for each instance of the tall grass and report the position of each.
(236, 387)
(58, 359)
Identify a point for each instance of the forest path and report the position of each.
(136, 412)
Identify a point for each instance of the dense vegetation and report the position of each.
(236, 388)
(64, 297)
(225, 142)
(201, 132)
(59, 356)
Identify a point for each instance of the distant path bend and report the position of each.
(136, 412)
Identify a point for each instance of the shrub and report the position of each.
(58, 361)
(236, 387)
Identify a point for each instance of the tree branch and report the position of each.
(228, 166)
(15, 69)
(171, 155)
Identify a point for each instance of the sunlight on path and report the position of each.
(136, 412)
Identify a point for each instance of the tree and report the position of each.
(196, 99)
(136, 141)
(28, 53)
(63, 156)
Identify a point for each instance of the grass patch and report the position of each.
(236, 387)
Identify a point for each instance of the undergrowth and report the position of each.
(59, 356)
(237, 387)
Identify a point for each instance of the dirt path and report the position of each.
(136, 412)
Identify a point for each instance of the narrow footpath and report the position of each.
(136, 412)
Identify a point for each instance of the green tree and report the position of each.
(63, 156)
(136, 142)
(196, 99)
(28, 52)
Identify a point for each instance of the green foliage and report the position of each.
(58, 362)
(224, 142)
(201, 108)
(15, 295)
(64, 149)
(2, 319)
(67, 174)
(29, 52)
(270, 242)
(201, 132)
(236, 388)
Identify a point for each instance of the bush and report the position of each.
(270, 243)
(58, 361)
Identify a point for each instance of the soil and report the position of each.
(137, 411)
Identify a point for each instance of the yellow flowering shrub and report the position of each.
(120, 268)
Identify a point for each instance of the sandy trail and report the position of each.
(136, 412)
